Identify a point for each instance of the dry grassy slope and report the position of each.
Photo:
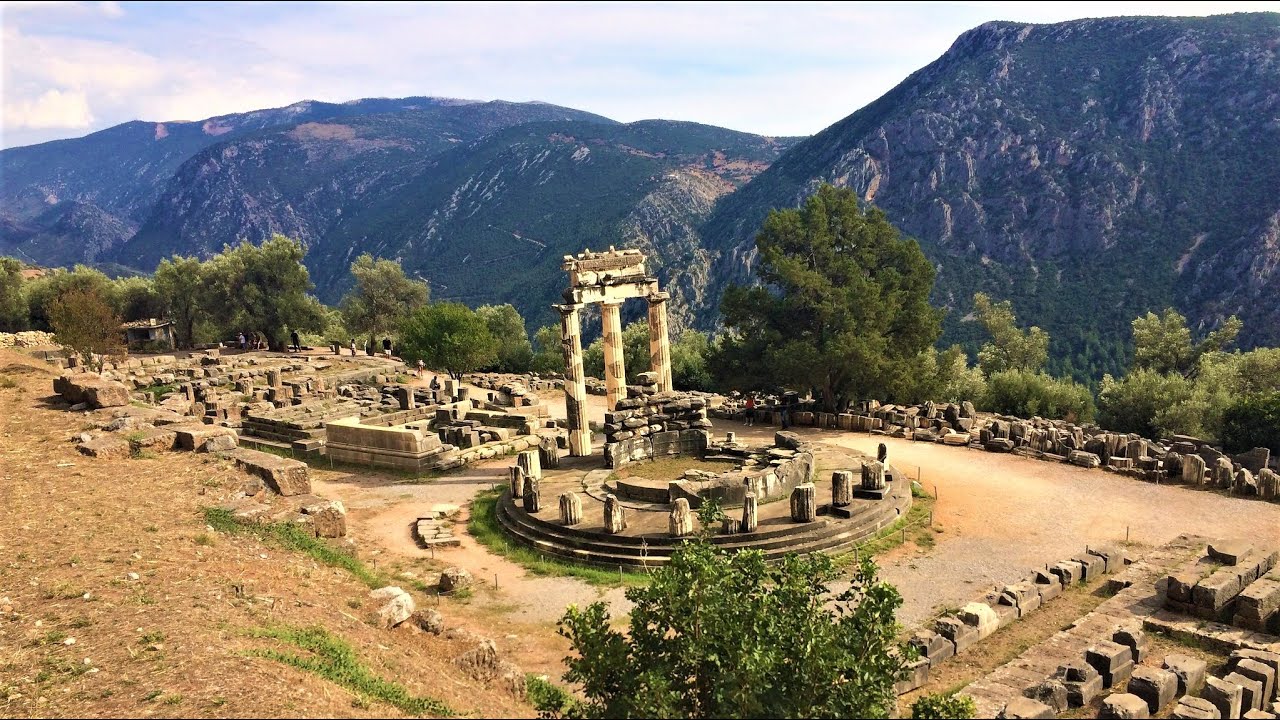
(73, 528)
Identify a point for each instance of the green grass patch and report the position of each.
(916, 524)
(293, 537)
(484, 527)
(159, 391)
(336, 661)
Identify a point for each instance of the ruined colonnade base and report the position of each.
(607, 278)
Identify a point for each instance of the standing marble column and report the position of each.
(575, 386)
(615, 373)
(659, 341)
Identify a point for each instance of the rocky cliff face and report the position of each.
(1088, 170)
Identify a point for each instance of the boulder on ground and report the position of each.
(106, 446)
(428, 620)
(391, 606)
(455, 578)
(328, 518)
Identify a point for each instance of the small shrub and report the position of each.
(940, 706)
(1027, 394)
(551, 700)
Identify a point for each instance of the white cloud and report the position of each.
(53, 109)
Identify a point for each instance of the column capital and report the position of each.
(567, 308)
(658, 297)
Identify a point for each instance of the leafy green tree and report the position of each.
(1163, 342)
(944, 376)
(181, 285)
(689, 354)
(43, 291)
(448, 336)
(845, 302)
(943, 706)
(14, 314)
(137, 299)
(84, 320)
(730, 635)
(1010, 348)
(263, 288)
(549, 355)
(1135, 402)
(1029, 394)
(635, 352)
(515, 353)
(1252, 422)
(383, 296)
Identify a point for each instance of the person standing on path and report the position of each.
(297, 345)
(386, 346)
(751, 410)
(353, 347)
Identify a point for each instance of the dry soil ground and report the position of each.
(175, 640)
(117, 600)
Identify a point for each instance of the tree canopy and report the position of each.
(549, 354)
(1010, 348)
(84, 320)
(730, 635)
(382, 297)
(181, 285)
(263, 288)
(13, 304)
(845, 301)
(515, 353)
(1162, 343)
(448, 336)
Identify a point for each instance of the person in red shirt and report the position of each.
(751, 410)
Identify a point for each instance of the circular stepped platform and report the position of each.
(591, 545)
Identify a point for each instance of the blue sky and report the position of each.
(71, 68)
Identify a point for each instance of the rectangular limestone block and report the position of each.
(1214, 592)
(192, 437)
(1026, 708)
(1195, 708)
(1094, 566)
(1263, 674)
(1049, 586)
(1269, 659)
(106, 446)
(931, 645)
(1189, 671)
(156, 438)
(283, 475)
(1124, 705)
(982, 617)
(1113, 556)
(1157, 687)
(1083, 683)
(960, 634)
(1068, 572)
(1109, 659)
(1225, 696)
(1251, 697)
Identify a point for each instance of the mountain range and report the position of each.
(1088, 171)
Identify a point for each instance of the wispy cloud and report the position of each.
(782, 69)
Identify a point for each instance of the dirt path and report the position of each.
(1003, 514)
(383, 508)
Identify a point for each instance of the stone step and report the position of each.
(800, 538)
(603, 559)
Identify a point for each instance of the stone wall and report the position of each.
(1179, 459)
(656, 425)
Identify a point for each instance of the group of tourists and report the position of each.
(785, 408)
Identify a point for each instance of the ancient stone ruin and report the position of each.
(608, 278)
